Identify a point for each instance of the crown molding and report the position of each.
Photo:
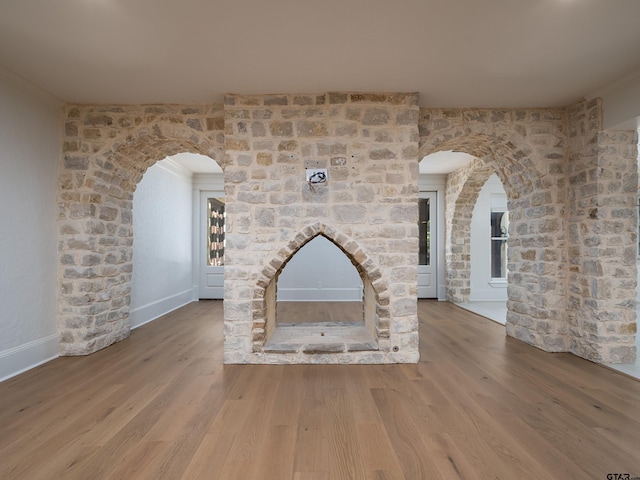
(17, 81)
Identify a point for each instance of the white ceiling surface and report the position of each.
(455, 53)
(196, 163)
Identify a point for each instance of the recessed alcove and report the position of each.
(324, 303)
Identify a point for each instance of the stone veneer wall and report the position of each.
(106, 150)
(571, 189)
(602, 233)
(527, 150)
(571, 192)
(368, 207)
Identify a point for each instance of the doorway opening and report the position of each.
(210, 255)
(489, 236)
(428, 245)
(163, 213)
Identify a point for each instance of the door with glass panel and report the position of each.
(427, 258)
(211, 284)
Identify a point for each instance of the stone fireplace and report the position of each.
(368, 146)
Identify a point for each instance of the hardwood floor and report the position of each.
(160, 405)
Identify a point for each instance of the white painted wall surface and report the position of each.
(621, 102)
(482, 288)
(319, 271)
(29, 154)
(162, 242)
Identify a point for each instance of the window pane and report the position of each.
(215, 229)
(499, 258)
(499, 233)
(424, 231)
(499, 224)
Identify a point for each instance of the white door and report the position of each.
(211, 255)
(427, 259)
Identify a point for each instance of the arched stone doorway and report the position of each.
(570, 181)
(106, 152)
(536, 247)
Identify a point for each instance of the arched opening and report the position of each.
(486, 249)
(434, 169)
(319, 284)
(365, 321)
(170, 237)
(535, 284)
(489, 236)
(96, 227)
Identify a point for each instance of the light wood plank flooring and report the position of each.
(160, 405)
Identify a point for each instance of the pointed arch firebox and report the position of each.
(269, 336)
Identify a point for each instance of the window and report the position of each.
(215, 229)
(424, 231)
(499, 235)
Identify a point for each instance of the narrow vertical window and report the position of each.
(499, 235)
(424, 231)
(215, 229)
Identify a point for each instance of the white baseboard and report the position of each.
(17, 360)
(154, 310)
(488, 295)
(319, 294)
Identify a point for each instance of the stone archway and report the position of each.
(375, 289)
(537, 248)
(106, 152)
(568, 180)
(463, 189)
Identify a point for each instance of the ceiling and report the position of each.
(455, 53)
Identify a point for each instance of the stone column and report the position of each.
(106, 150)
(602, 234)
(368, 207)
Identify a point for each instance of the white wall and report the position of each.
(621, 102)
(29, 154)
(482, 288)
(319, 271)
(162, 242)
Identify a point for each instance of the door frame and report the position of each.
(208, 272)
(429, 271)
(437, 184)
(213, 185)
